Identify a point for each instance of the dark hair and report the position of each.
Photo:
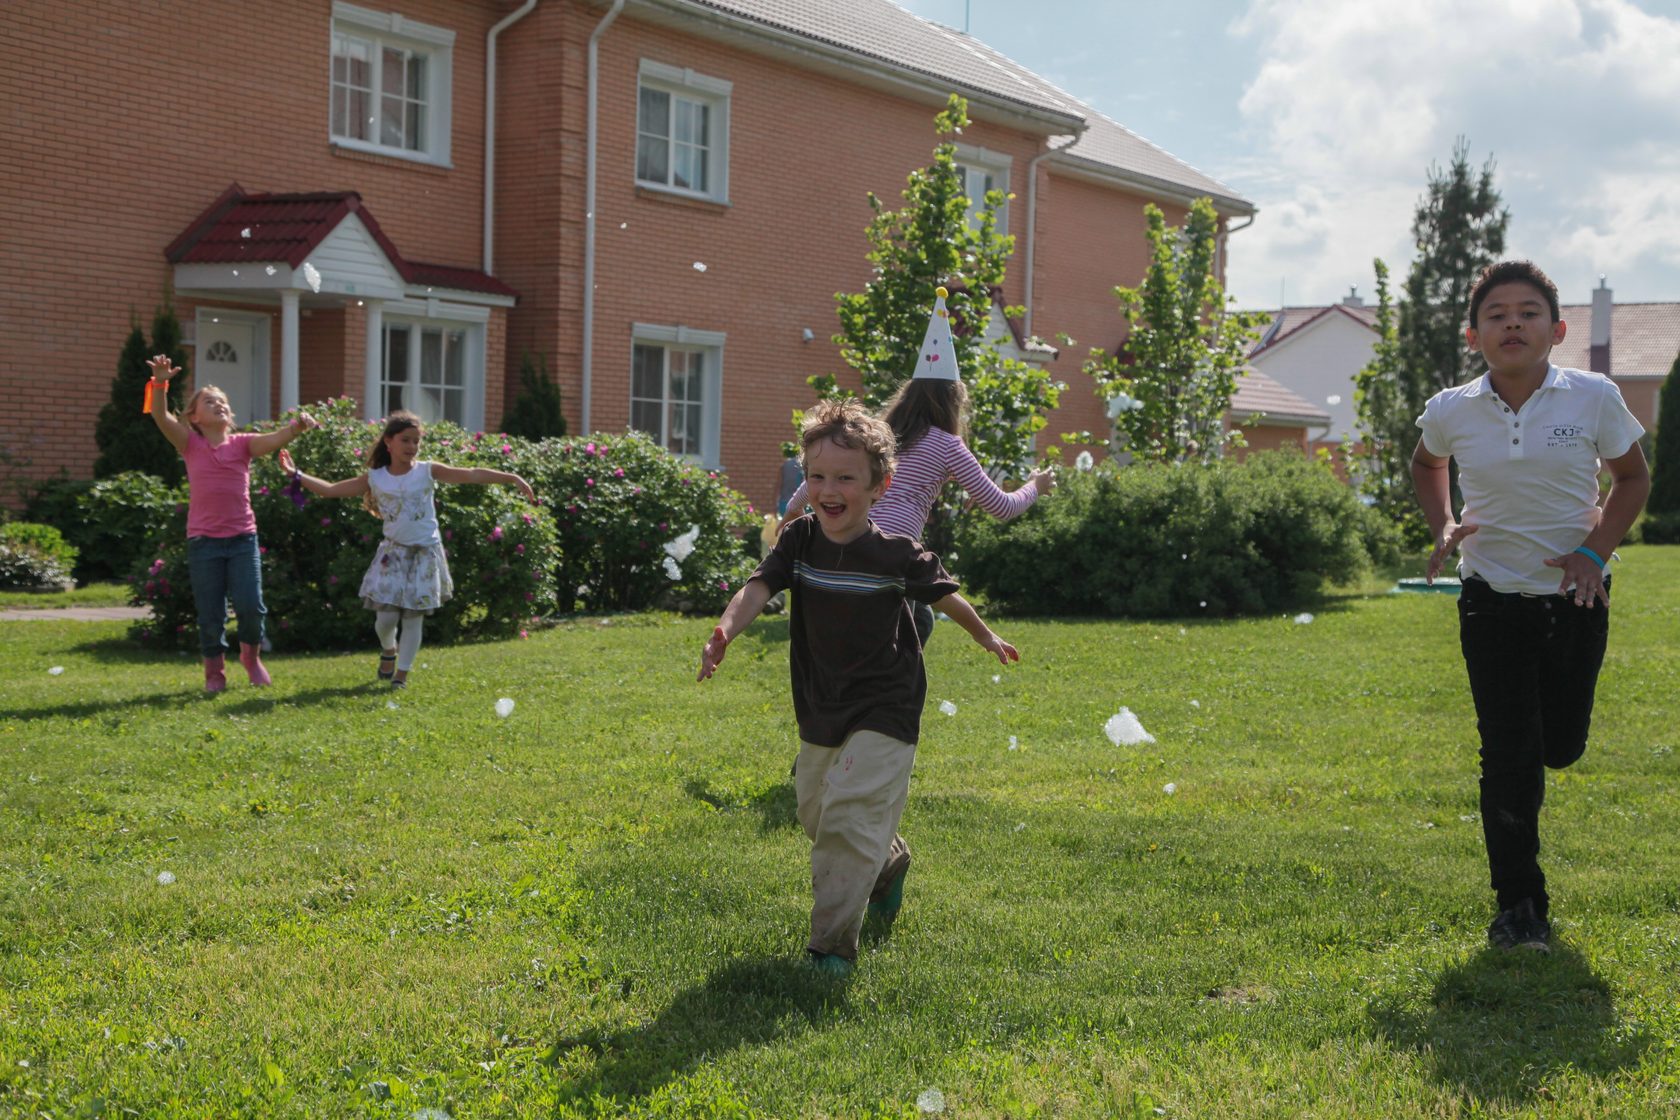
(380, 456)
(1513, 272)
(923, 403)
(849, 424)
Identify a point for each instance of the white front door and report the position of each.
(227, 359)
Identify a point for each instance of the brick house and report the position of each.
(660, 197)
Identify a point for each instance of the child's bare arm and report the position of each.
(969, 619)
(348, 488)
(484, 476)
(173, 430)
(280, 437)
(737, 616)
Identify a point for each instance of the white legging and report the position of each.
(385, 625)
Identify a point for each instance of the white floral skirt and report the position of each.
(407, 577)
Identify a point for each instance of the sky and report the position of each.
(1328, 114)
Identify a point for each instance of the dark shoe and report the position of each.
(830, 965)
(886, 904)
(1521, 927)
(387, 671)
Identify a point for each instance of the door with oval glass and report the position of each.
(227, 359)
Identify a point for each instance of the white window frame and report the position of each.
(710, 344)
(714, 93)
(392, 30)
(419, 316)
(979, 161)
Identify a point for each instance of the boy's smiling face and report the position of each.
(838, 482)
(1514, 329)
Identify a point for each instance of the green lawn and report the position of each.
(597, 905)
(92, 595)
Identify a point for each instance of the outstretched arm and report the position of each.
(964, 615)
(174, 430)
(280, 437)
(348, 488)
(1434, 495)
(737, 616)
(483, 476)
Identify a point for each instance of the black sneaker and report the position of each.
(1521, 927)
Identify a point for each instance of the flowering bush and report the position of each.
(619, 501)
(501, 549)
(34, 556)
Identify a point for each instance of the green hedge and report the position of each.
(1154, 541)
(34, 556)
(113, 522)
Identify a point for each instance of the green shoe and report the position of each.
(887, 906)
(832, 966)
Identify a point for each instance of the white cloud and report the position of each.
(1351, 104)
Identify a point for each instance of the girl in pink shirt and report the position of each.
(223, 557)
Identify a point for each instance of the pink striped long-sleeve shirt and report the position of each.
(932, 460)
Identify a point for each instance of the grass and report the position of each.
(91, 595)
(596, 906)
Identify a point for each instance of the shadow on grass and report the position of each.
(747, 1002)
(776, 806)
(240, 700)
(1497, 1025)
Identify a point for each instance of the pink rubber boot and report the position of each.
(214, 678)
(250, 656)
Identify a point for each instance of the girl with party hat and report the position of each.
(929, 416)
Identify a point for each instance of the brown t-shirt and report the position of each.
(854, 658)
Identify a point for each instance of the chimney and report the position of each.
(1352, 298)
(1598, 354)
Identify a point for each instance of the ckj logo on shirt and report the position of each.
(1564, 435)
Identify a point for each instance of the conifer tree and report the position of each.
(1662, 523)
(128, 439)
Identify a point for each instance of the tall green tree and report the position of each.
(1172, 382)
(1459, 229)
(926, 244)
(128, 439)
(1386, 421)
(1662, 523)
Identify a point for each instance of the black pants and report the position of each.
(1533, 663)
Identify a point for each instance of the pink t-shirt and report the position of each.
(219, 484)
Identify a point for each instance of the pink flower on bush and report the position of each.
(711, 474)
(496, 533)
(326, 521)
(589, 482)
(157, 565)
(264, 490)
(520, 549)
(618, 472)
(524, 634)
(636, 490)
(507, 449)
(332, 579)
(571, 509)
(261, 548)
(664, 528)
(449, 534)
(529, 595)
(723, 585)
(589, 449)
(527, 518)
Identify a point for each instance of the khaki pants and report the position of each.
(850, 801)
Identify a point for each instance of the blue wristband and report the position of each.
(1591, 555)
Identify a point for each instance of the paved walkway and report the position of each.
(75, 614)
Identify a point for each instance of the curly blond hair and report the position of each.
(850, 425)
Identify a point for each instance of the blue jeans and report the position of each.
(224, 568)
(1533, 663)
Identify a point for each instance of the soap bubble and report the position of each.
(504, 707)
(947, 707)
(1124, 730)
(311, 276)
(56, 670)
(165, 878)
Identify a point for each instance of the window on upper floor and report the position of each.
(982, 171)
(676, 389)
(390, 84)
(682, 131)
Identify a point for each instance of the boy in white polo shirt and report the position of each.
(1529, 439)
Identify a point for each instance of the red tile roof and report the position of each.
(257, 228)
(1260, 396)
(1644, 338)
(1291, 319)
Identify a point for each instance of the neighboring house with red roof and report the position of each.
(659, 196)
(1316, 352)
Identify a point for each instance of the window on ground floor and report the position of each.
(435, 370)
(675, 389)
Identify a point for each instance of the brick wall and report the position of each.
(122, 122)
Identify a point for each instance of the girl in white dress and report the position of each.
(409, 576)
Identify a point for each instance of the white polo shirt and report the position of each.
(1530, 477)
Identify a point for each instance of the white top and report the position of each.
(405, 502)
(1530, 477)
